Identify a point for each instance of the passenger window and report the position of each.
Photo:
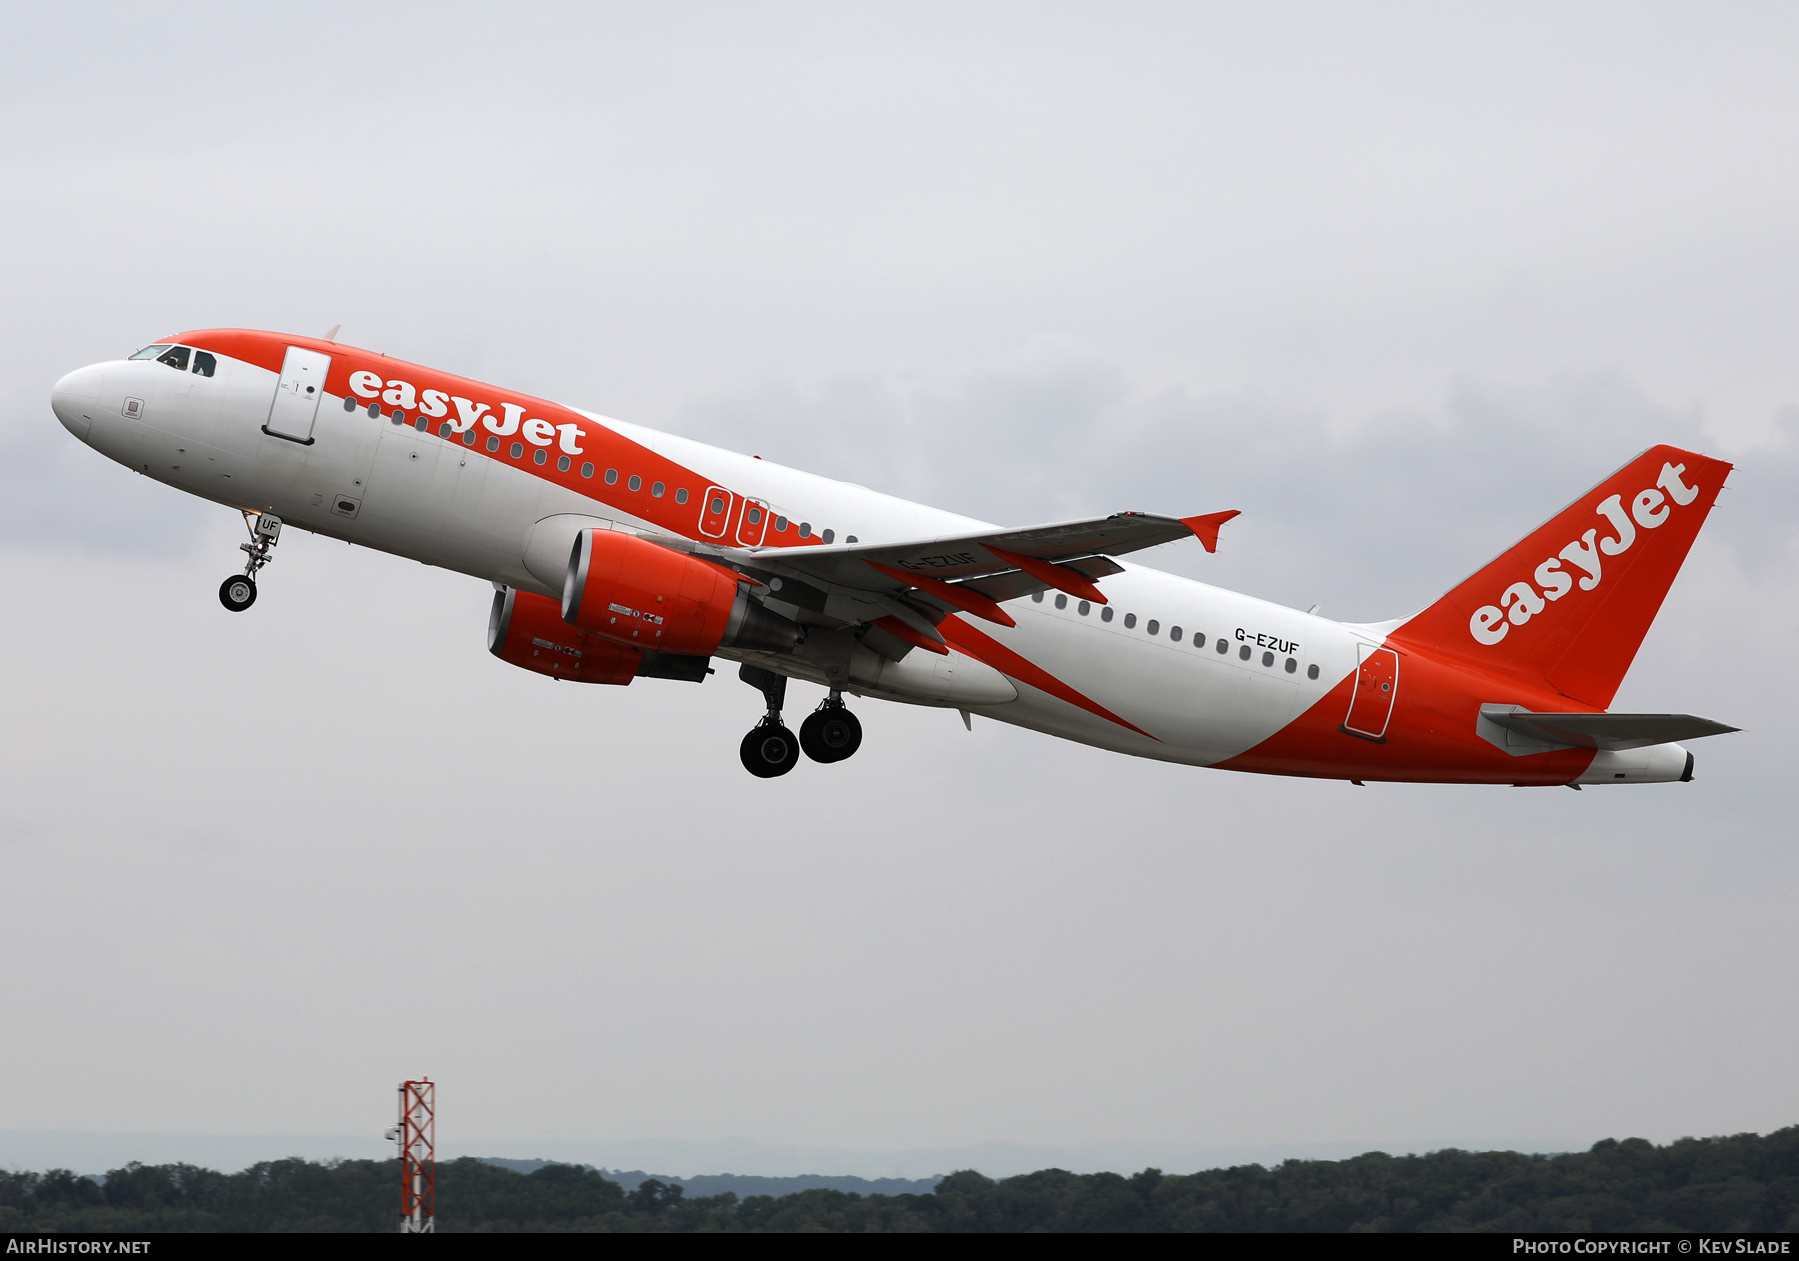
(850, 539)
(681, 495)
(1154, 626)
(754, 514)
(204, 364)
(493, 444)
(562, 463)
(827, 536)
(781, 525)
(612, 480)
(1244, 652)
(1130, 620)
(1267, 658)
(1292, 665)
(1061, 601)
(468, 439)
(421, 424)
(636, 482)
(1311, 672)
(397, 416)
(175, 357)
(374, 410)
(1174, 633)
(1105, 614)
(446, 429)
(151, 352)
(1036, 597)
(1224, 646)
(586, 469)
(1083, 608)
(539, 456)
(518, 449)
(658, 490)
(349, 403)
(805, 529)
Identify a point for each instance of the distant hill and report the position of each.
(739, 1184)
(1736, 1184)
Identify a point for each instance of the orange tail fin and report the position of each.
(1571, 603)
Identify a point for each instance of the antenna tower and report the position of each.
(418, 1157)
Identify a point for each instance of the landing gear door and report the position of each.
(297, 394)
(1376, 686)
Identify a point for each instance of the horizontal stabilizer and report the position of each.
(1601, 731)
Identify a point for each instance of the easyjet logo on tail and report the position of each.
(436, 403)
(1521, 601)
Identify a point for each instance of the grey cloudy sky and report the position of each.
(1396, 280)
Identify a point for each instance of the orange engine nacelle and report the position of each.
(635, 593)
(527, 631)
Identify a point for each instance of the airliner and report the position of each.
(620, 553)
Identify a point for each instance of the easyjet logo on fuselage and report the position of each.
(436, 404)
(1521, 601)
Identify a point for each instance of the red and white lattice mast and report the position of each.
(417, 1135)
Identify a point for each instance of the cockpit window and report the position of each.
(150, 352)
(204, 364)
(175, 357)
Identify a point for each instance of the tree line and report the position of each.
(1743, 1182)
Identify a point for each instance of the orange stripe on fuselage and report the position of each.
(1432, 736)
(601, 446)
(983, 647)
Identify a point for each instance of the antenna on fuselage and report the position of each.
(332, 335)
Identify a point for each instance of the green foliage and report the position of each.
(1740, 1183)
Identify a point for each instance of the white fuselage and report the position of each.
(418, 497)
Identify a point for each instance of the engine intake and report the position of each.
(636, 593)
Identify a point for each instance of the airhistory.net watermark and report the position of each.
(51, 1246)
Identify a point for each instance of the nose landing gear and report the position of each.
(238, 592)
(831, 733)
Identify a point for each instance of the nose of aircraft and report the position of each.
(75, 398)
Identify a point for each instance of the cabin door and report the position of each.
(297, 394)
(1376, 685)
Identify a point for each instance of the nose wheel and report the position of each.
(238, 592)
(830, 733)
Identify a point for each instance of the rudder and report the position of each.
(1571, 603)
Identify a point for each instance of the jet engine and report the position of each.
(633, 592)
(527, 631)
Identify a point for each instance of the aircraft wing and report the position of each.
(1603, 731)
(902, 591)
(1082, 546)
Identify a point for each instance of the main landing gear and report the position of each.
(238, 592)
(770, 749)
(829, 734)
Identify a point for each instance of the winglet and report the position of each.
(1205, 528)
